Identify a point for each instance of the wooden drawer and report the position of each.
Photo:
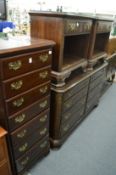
(35, 152)
(15, 86)
(92, 103)
(4, 169)
(75, 108)
(75, 99)
(104, 26)
(2, 151)
(29, 141)
(95, 83)
(75, 89)
(30, 127)
(97, 91)
(21, 64)
(97, 74)
(76, 26)
(28, 113)
(76, 117)
(21, 101)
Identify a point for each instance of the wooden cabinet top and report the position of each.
(22, 45)
(72, 15)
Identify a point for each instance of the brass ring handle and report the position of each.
(43, 104)
(43, 131)
(20, 118)
(43, 119)
(23, 147)
(25, 161)
(43, 74)
(43, 58)
(43, 90)
(43, 145)
(15, 65)
(22, 134)
(16, 85)
(18, 102)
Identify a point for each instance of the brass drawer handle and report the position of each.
(15, 65)
(43, 74)
(66, 127)
(68, 105)
(43, 104)
(20, 118)
(67, 116)
(43, 145)
(22, 134)
(73, 26)
(18, 102)
(16, 85)
(43, 119)
(43, 90)
(25, 161)
(23, 147)
(43, 58)
(43, 131)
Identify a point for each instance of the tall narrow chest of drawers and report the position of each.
(24, 99)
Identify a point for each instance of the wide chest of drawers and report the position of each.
(25, 100)
(72, 103)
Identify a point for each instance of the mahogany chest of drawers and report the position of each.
(25, 99)
(72, 103)
(4, 159)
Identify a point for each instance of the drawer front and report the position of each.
(104, 26)
(4, 169)
(29, 112)
(91, 103)
(17, 65)
(20, 84)
(2, 150)
(97, 74)
(35, 152)
(23, 132)
(75, 110)
(16, 104)
(75, 89)
(74, 26)
(76, 117)
(96, 83)
(75, 99)
(97, 91)
(28, 142)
